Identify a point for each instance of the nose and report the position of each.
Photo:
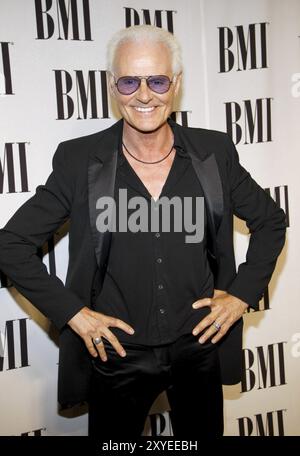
(144, 94)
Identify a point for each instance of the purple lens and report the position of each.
(127, 85)
(159, 84)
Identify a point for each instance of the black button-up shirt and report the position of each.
(152, 278)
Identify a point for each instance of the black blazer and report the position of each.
(83, 170)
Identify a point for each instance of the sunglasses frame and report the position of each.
(140, 78)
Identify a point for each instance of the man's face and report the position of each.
(144, 110)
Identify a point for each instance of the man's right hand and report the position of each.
(89, 324)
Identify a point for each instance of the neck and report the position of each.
(149, 146)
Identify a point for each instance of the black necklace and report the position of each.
(148, 163)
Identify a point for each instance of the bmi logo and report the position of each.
(249, 121)
(65, 19)
(14, 345)
(243, 48)
(263, 367)
(159, 18)
(80, 93)
(13, 168)
(263, 424)
(6, 87)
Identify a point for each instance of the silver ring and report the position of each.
(97, 340)
(217, 325)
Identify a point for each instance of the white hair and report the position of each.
(140, 33)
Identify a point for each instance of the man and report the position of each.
(144, 311)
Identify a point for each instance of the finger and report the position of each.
(208, 334)
(207, 321)
(117, 323)
(113, 340)
(202, 303)
(90, 346)
(100, 349)
(214, 330)
(221, 333)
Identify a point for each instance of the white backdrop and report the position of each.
(242, 75)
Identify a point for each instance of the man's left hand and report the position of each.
(225, 310)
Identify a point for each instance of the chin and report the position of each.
(147, 126)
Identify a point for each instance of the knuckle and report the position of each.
(87, 339)
(85, 333)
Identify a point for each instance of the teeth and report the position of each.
(144, 109)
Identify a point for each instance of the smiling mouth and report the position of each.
(144, 110)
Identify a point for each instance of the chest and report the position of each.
(153, 176)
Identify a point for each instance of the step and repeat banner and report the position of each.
(241, 75)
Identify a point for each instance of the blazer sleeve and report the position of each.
(27, 230)
(266, 222)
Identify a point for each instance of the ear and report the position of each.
(111, 83)
(177, 83)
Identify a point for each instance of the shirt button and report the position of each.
(157, 235)
(160, 286)
(162, 311)
(159, 260)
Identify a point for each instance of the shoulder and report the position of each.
(206, 136)
(201, 136)
(205, 142)
(82, 143)
(77, 150)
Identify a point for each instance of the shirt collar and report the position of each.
(178, 143)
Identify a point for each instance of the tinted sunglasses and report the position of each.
(127, 85)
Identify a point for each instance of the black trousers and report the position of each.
(122, 390)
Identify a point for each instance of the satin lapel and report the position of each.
(209, 178)
(101, 182)
(207, 171)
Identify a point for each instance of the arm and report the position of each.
(33, 223)
(267, 226)
(29, 228)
